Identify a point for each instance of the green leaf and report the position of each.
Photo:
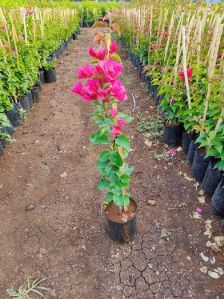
(220, 165)
(104, 184)
(109, 197)
(116, 159)
(117, 199)
(125, 179)
(126, 199)
(97, 138)
(115, 57)
(123, 141)
(104, 156)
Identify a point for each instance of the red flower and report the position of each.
(189, 74)
(117, 129)
(85, 72)
(100, 54)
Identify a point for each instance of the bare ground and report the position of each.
(52, 165)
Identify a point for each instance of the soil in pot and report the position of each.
(30, 98)
(191, 151)
(50, 75)
(172, 134)
(211, 179)
(121, 227)
(25, 103)
(218, 200)
(35, 94)
(200, 164)
(186, 141)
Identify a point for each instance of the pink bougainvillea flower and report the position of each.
(171, 100)
(113, 47)
(100, 54)
(113, 112)
(154, 47)
(189, 74)
(93, 91)
(85, 72)
(3, 28)
(109, 69)
(199, 210)
(14, 53)
(171, 153)
(118, 91)
(29, 11)
(117, 129)
(78, 89)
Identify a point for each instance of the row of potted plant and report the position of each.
(178, 51)
(31, 39)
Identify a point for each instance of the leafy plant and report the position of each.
(25, 291)
(103, 89)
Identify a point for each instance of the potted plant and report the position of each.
(104, 91)
(49, 71)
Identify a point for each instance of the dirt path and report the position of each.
(52, 165)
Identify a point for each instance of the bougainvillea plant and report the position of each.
(100, 86)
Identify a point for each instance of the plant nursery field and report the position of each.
(111, 150)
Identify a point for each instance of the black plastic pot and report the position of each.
(2, 140)
(147, 81)
(218, 200)
(186, 141)
(200, 165)
(122, 231)
(152, 90)
(211, 180)
(30, 98)
(191, 151)
(38, 83)
(25, 103)
(35, 94)
(1, 149)
(9, 128)
(159, 99)
(14, 117)
(172, 134)
(74, 36)
(50, 76)
(41, 76)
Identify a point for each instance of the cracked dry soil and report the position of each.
(52, 165)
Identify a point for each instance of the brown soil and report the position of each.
(113, 213)
(52, 222)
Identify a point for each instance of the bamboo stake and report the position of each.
(185, 67)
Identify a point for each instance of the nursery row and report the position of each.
(31, 39)
(179, 53)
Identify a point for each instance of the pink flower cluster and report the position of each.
(29, 11)
(102, 82)
(102, 78)
(102, 52)
(3, 27)
(189, 74)
(117, 129)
